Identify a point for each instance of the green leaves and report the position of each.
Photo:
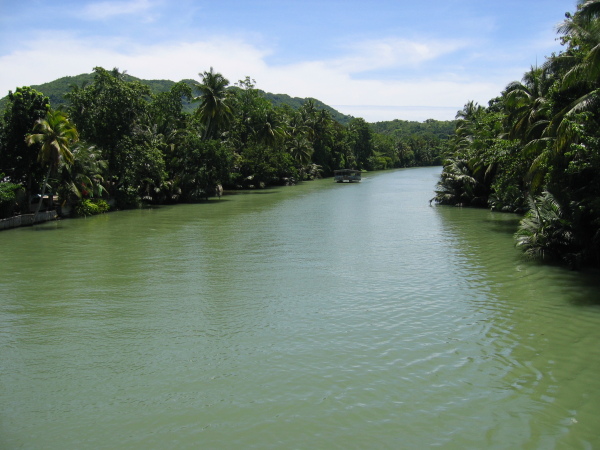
(55, 134)
(544, 233)
(214, 110)
(541, 136)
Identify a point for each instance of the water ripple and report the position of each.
(323, 316)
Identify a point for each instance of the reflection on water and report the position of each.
(315, 316)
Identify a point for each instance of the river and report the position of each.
(316, 316)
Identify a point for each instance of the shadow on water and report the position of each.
(504, 225)
(210, 202)
(253, 192)
(486, 240)
(46, 226)
(588, 292)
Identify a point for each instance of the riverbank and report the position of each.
(25, 220)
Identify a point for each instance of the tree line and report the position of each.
(535, 149)
(116, 143)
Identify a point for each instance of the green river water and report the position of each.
(316, 316)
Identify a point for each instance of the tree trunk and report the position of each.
(37, 210)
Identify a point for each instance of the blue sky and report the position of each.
(380, 60)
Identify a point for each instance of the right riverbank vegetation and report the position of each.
(110, 140)
(535, 149)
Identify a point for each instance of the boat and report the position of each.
(346, 176)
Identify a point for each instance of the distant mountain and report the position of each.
(440, 129)
(297, 102)
(57, 89)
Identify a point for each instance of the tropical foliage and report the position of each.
(18, 161)
(120, 141)
(88, 207)
(536, 149)
(8, 197)
(54, 135)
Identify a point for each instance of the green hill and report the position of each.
(397, 128)
(57, 89)
(297, 102)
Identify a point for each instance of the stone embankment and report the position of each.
(27, 219)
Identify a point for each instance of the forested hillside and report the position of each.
(57, 90)
(401, 128)
(110, 138)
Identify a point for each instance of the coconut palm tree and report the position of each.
(527, 105)
(471, 110)
(301, 150)
(55, 135)
(548, 135)
(298, 142)
(214, 110)
(83, 176)
(580, 67)
(544, 233)
(457, 183)
(269, 127)
(583, 27)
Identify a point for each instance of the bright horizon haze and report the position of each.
(379, 60)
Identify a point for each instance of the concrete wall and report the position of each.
(26, 219)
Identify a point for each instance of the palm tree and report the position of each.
(468, 114)
(457, 183)
(269, 129)
(545, 233)
(584, 28)
(298, 141)
(55, 135)
(214, 111)
(468, 126)
(527, 104)
(323, 140)
(547, 134)
(83, 176)
(300, 149)
(580, 67)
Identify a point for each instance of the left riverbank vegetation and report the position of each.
(115, 143)
(535, 149)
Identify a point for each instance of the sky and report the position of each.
(378, 59)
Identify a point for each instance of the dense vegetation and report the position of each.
(57, 91)
(535, 149)
(116, 140)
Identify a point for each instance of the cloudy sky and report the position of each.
(377, 59)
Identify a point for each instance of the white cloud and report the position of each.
(411, 113)
(393, 52)
(41, 60)
(108, 9)
(329, 81)
(377, 97)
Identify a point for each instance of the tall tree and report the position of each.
(55, 135)
(214, 110)
(360, 140)
(17, 160)
(528, 105)
(165, 110)
(108, 110)
(82, 177)
(582, 32)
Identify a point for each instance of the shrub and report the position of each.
(88, 207)
(8, 197)
(102, 206)
(545, 233)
